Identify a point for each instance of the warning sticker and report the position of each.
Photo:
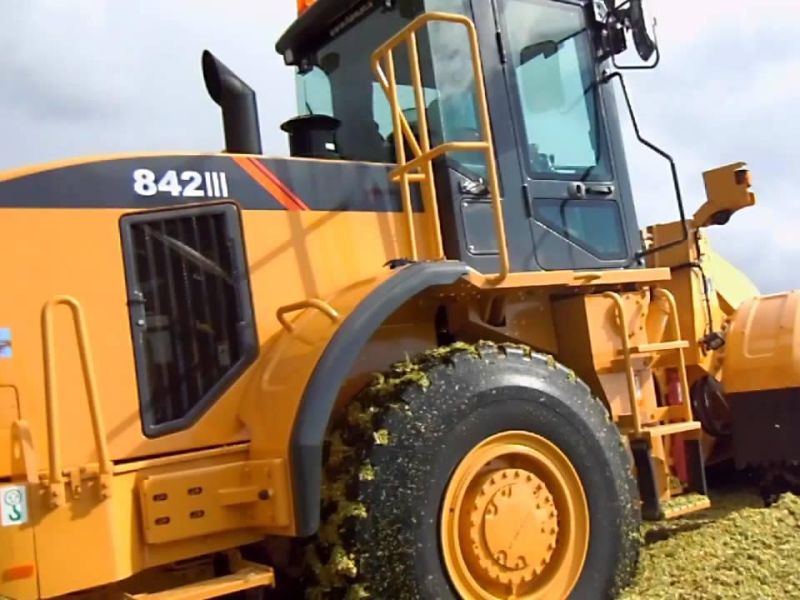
(5, 342)
(13, 505)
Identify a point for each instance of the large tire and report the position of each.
(390, 460)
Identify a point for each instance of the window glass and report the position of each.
(556, 89)
(342, 85)
(594, 225)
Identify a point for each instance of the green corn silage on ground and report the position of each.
(737, 549)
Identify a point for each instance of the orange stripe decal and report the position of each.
(266, 179)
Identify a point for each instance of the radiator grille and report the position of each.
(190, 310)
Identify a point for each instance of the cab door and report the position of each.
(578, 214)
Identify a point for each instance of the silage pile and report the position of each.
(735, 550)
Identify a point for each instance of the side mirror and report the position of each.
(643, 38)
(614, 23)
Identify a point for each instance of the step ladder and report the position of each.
(674, 422)
(246, 576)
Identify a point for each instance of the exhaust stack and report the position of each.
(238, 103)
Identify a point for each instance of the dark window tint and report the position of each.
(190, 310)
(594, 225)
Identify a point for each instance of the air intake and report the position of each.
(190, 309)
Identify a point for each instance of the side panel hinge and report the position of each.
(501, 48)
(526, 195)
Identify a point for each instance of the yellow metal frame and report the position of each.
(676, 344)
(420, 168)
(56, 474)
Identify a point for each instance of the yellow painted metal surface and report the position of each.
(248, 577)
(9, 413)
(304, 251)
(197, 502)
(571, 279)
(727, 191)
(763, 345)
(511, 478)
(18, 558)
(112, 534)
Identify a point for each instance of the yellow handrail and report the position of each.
(423, 154)
(626, 354)
(315, 303)
(56, 475)
(676, 335)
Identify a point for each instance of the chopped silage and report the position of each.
(737, 550)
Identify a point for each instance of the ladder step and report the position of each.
(647, 349)
(671, 429)
(248, 577)
(684, 505)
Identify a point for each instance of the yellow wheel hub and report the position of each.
(515, 521)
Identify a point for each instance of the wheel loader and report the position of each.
(431, 354)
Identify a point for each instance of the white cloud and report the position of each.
(97, 76)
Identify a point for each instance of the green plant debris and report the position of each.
(357, 592)
(682, 501)
(343, 563)
(339, 451)
(353, 509)
(381, 437)
(366, 472)
(737, 549)
(358, 416)
(333, 491)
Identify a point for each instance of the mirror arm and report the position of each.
(642, 67)
(673, 168)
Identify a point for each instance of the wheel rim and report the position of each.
(515, 520)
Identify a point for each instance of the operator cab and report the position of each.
(566, 196)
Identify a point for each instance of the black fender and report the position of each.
(332, 369)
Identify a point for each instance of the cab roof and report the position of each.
(320, 23)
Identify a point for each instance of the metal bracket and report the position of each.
(209, 500)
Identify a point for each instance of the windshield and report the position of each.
(554, 74)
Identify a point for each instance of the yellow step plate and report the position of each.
(684, 505)
(249, 576)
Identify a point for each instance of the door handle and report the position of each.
(581, 190)
(600, 190)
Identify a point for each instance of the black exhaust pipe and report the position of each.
(238, 103)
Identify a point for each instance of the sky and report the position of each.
(84, 77)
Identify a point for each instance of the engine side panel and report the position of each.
(61, 223)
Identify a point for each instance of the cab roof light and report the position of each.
(304, 5)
